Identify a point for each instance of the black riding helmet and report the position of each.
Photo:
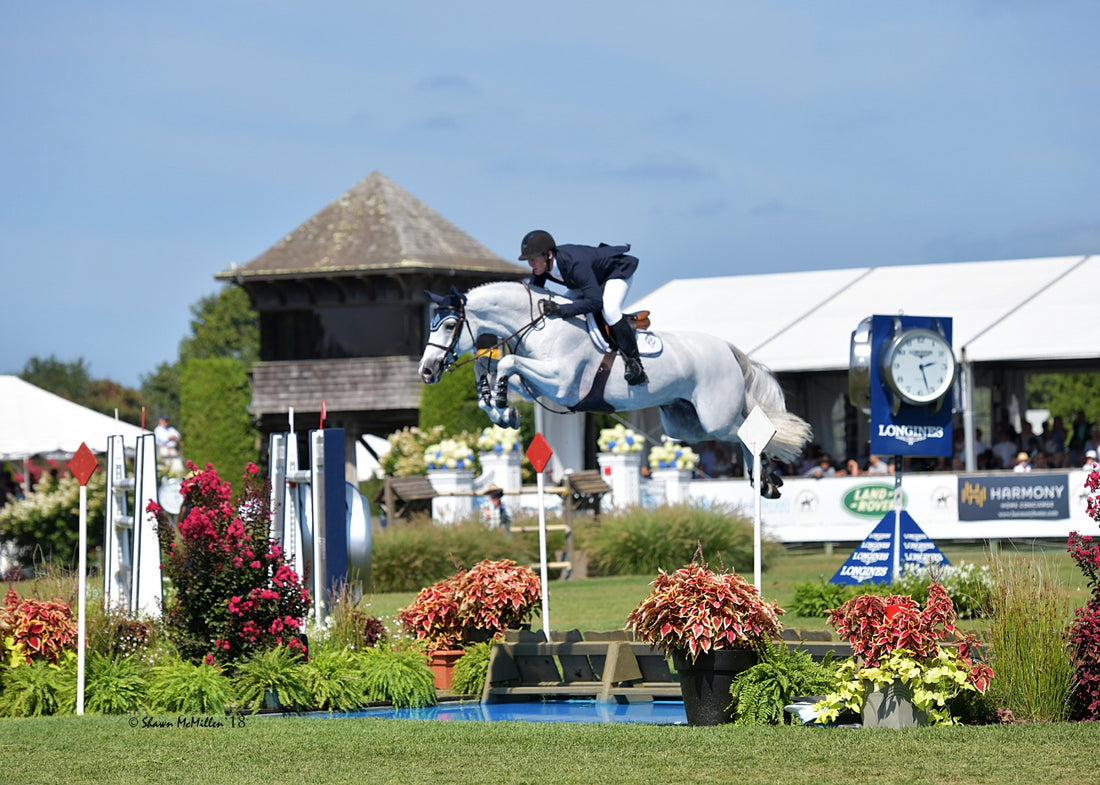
(534, 243)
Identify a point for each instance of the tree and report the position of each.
(1065, 394)
(223, 325)
(70, 380)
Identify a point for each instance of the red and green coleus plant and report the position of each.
(36, 629)
(696, 610)
(490, 597)
(895, 640)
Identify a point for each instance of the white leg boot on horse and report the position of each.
(628, 348)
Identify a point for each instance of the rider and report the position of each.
(600, 278)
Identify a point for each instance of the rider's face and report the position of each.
(539, 264)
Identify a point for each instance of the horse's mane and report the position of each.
(538, 290)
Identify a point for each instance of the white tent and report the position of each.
(1006, 311)
(36, 422)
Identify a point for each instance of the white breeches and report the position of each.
(614, 295)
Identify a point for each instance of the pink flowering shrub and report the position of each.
(234, 594)
(1084, 636)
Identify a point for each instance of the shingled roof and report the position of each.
(376, 226)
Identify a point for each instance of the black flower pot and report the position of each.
(705, 683)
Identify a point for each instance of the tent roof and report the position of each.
(1024, 309)
(36, 422)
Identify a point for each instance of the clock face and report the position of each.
(919, 366)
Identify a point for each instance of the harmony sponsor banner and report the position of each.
(1019, 495)
(872, 561)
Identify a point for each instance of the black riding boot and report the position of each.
(628, 348)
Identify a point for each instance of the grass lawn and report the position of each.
(603, 603)
(314, 752)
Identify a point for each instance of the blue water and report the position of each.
(654, 713)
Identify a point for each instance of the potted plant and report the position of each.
(901, 674)
(672, 463)
(710, 623)
(500, 455)
(450, 465)
(620, 461)
(471, 605)
(273, 679)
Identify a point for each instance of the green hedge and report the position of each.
(215, 424)
(641, 541)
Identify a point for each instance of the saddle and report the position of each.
(649, 345)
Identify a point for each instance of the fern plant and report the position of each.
(779, 675)
(471, 669)
(114, 685)
(334, 680)
(37, 689)
(400, 676)
(190, 689)
(276, 671)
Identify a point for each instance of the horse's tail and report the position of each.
(762, 389)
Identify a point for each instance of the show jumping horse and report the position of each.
(703, 386)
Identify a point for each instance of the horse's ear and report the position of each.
(438, 299)
(457, 294)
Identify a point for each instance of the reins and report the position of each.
(486, 351)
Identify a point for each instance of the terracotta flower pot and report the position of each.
(705, 683)
(442, 662)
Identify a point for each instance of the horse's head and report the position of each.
(443, 334)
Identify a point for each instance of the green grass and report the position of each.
(315, 752)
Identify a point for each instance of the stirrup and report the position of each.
(634, 373)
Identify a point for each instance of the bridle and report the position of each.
(443, 314)
(457, 311)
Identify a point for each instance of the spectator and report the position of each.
(1090, 464)
(493, 513)
(1005, 449)
(168, 445)
(875, 465)
(851, 466)
(1023, 462)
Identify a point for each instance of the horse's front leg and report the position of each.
(492, 398)
(539, 379)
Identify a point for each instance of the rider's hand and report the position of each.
(551, 309)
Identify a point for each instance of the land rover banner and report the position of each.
(1017, 495)
(872, 560)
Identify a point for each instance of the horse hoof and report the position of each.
(769, 491)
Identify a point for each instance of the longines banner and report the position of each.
(1019, 495)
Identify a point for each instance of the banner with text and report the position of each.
(872, 560)
(1019, 495)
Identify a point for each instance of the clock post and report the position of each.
(908, 377)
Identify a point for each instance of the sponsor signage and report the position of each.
(870, 500)
(1017, 495)
(872, 561)
(905, 429)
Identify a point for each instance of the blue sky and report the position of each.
(148, 145)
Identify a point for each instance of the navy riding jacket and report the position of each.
(585, 269)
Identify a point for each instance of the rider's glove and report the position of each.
(551, 309)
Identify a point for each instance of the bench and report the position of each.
(407, 490)
(614, 670)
